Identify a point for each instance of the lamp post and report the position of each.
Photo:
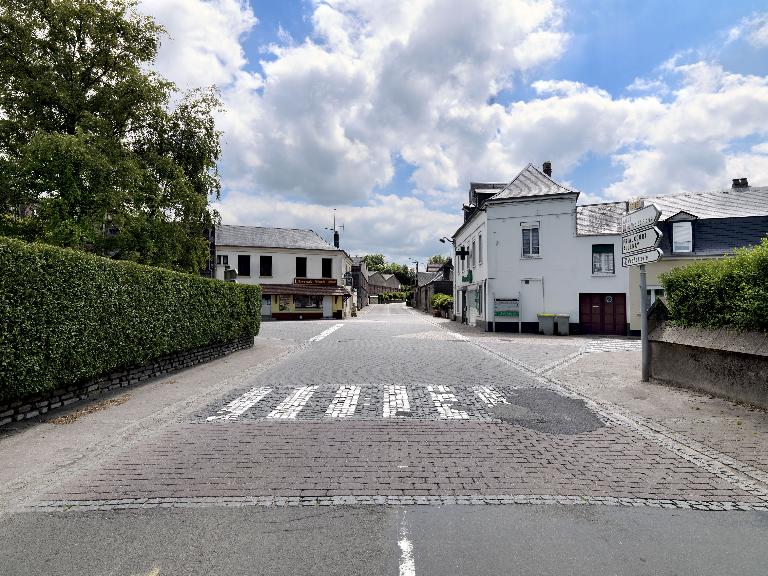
(416, 285)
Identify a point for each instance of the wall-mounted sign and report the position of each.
(641, 241)
(315, 281)
(468, 277)
(507, 307)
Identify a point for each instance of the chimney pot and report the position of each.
(548, 168)
(736, 183)
(336, 238)
(744, 183)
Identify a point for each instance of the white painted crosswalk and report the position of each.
(397, 401)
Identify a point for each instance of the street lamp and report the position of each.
(445, 239)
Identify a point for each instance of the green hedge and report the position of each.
(67, 316)
(729, 292)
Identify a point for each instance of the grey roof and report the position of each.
(596, 219)
(728, 203)
(257, 236)
(424, 277)
(532, 182)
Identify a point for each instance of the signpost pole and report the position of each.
(644, 325)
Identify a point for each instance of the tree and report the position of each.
(93, 155)
(438, 259)
(375, 262)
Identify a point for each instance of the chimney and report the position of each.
(336, 238)
(548, 168)
(740, 183)
(744, 183)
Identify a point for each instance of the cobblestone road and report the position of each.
(396, 407)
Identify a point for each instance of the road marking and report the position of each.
(344, 403)
(396, 401)
(325, 333)
(292, 405)
(443, 399)
(241, 404)
(489, 395)
(407, 566)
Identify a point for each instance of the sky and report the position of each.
(386, 110)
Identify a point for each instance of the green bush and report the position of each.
(67, 316)
(729, 292)
(442, 302)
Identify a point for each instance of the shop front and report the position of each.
(306, 299)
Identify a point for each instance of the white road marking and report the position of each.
(241, 404)
(407, 566)
(443, 399)
(344, 403)
(325, 333)
(489, 395)
(396, 401)
(458, 336)
(292, 405)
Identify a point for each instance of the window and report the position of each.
(480, 248)
(301, 266)
(308, 302)
(530, 240)
(243, 265)
(265, 266)
(222, 260)
(602, 259)
(653, 293)
(682, 237)
(327, 267)
(473, 253)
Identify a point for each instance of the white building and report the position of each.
(531, 250)
(301, 275)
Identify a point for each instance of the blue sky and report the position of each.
(386, 110)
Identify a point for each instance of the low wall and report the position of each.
(719, 362)
(42, 403)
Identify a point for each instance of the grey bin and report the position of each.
(546, 324)
(562, 321)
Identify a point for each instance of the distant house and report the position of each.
(437, 281)
(700, 226)
(301, 275)
(379, 283)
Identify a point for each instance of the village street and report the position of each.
(392, 443)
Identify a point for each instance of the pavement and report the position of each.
(392, 443)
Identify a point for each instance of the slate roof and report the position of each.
(532, 182)
(424, 278)
(257, 236)
(596, 219)
(728, 203)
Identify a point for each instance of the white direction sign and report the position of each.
(640, 219)
(640, 241)
(641, 258)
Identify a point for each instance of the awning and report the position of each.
(303, 290)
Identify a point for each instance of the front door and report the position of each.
(603, 313)
(463, 306)
(266, 307)
(327, 306)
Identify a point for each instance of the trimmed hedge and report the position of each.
(725, 293)
(68, 316)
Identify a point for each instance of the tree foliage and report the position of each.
(439, 259)
(96, 151)
(377, 263)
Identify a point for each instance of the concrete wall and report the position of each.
(719, 362)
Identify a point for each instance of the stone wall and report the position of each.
(42, 403)
(720, 362)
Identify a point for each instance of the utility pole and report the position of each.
(644, 325)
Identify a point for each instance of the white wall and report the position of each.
(471, 233)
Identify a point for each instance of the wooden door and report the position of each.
(603, 313)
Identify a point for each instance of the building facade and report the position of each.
(302, 277)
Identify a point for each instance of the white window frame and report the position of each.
(684, 229)
(602, 272)
(530, 226)
(472, 253)
(480, 248)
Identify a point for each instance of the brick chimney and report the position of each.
(547, 168)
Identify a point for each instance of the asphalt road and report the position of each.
(389, 445)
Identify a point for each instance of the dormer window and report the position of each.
(682, 237)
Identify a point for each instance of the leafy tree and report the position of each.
(375, 262)
(438, 259)
(97, 152)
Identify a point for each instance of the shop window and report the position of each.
(327, 267)
(243, 265)
(682, 237)
(531, 240)
(222, 260)
(265, 266)
(308, 302)
(301, 266)
(602, 259)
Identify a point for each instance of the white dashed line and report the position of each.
(443, 399)
(489, 395)
(396, 401)
(241, 404)
(344, 403)
(407, 566)
(292, 405)
(325, 333)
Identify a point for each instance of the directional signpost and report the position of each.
(639, 245)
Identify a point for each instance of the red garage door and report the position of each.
(603, 313)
